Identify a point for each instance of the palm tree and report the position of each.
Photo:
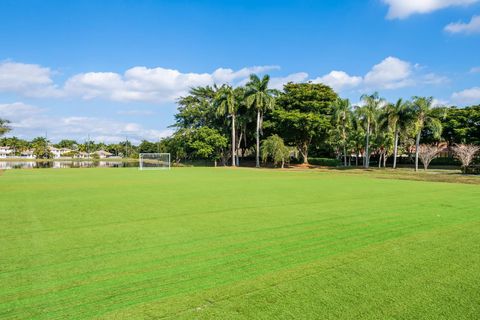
(383, 141)
(261, 98)
(40, 147)
(342, 118)
(226, 103)
(396, 117)
(16, 144)
(425, 116)
(368, 114)
(4, 128)
(242, 119)
(356, 136)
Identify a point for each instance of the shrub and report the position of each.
(273, 147)
(472, 169)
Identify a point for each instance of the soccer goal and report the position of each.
(152, 161)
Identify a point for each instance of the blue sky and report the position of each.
(113, 69)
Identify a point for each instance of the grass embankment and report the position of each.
(221, 243)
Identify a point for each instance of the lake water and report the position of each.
(65, 164)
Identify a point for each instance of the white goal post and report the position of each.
(153, 161)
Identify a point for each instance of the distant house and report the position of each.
(5, 152)
(28, 154)
(102, 154)
(444, 150)
(55, 151)
(82, 155)
(58, 152)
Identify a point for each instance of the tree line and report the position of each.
(308, 119)
(40, 146)
(227, 124)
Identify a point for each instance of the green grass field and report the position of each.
(219, 243)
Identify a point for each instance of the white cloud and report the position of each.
(27, 79)
(339, 80)
(401, 9)
(30, 121)
(391, 73)
(468, 28)
(434, 79)
(226, 75)
(278, 82)
(467, 96)
(139, 83)
(17, 110)
(475, 70)
(150, 84)
(439, 103)
(160, 85)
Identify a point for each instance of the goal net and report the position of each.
(152, 161)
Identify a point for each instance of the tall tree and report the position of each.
(368, 113)
(425, 116)
(342, 116)
(303, 114)
(176, 145)
(275, 148)
(356, 137)
(197, 109)
(461, 125)
(207, 143)
(18, 145)
(396, 117)
(40, 148)
(383, 143)
(227, 103)
(66, 143)
(148, 147)
(261, 98)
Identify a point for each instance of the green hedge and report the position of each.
(327, 162)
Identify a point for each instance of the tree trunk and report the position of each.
(356, 159)
(224, 160)
(215, 161)
(385, 160)
(395, 149)
(304, 151)
(283, 163)
(233, 141)
(257, 158)
(417, 145)
(344, 146)
(367, 155)
(380, 160)
(238, 147)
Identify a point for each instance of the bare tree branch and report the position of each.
(427, 153)
(465, 153)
